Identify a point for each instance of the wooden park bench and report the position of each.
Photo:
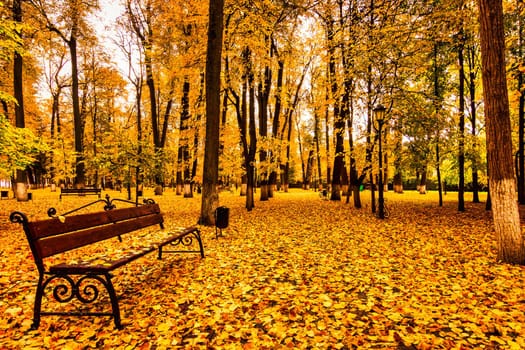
(81, 279)
(80, 191)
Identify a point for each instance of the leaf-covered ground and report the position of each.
(296, 272)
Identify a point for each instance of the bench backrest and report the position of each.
(52, 236)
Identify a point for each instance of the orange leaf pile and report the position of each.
(296, 272)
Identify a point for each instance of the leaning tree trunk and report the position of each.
(499, 148)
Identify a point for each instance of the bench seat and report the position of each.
(124, 256)
(98, 265)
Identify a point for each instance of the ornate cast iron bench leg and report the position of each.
(114, 301)
(70, 288)
(186, 240)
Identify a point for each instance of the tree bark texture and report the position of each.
(210, 196)
(502, 182)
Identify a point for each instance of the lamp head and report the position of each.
(379, 113)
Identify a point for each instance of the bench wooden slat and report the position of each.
(51, 227)
(71, 240)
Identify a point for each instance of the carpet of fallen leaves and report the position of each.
(296, 272)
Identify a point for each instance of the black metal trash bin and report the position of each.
(222, 218)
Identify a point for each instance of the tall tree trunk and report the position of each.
(138, 95)
(327, 140)
(384, 143)
(276, 123)
(471, 58)
(94, 121)
(80, 167)
(499, 148)
(521, 142)
(301, 155)
(55, 120)
(263, 98)
(179, 183)
(438, 103)
(244, 121)
(250, 164)
(247, 130)
(196, 133)
(309, 170)
(317, 134)
(398, 172)
(339, 122)
(288, 126)
(183, 177)
(150, 82)
(18, 64)
(95, 136)
(210, 196)
(286, 172)
(461, 136)
(438, 170)
(369, 111)
(369, 146)
(145, 33)
(521, 113)
(353, 178)
(76, 12)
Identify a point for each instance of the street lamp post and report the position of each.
(379, 113)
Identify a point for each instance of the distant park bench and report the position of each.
(82, 278)
(80, 191)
